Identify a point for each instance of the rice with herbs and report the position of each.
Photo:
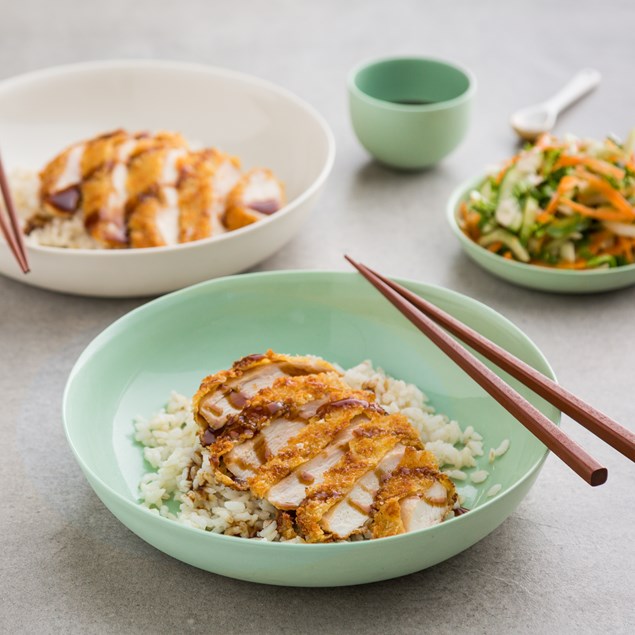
(182, 486)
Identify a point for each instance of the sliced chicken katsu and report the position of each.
(227, 392)
(265, 427)
(148, 191)
(257, 195)
(416, 495)
(104, 178)
(307, 460)
(431, 496)
(102, 188)
(353, 511)
(61, 178)
(151, 190)
(205, 180)
(328, 457)
(367, 446)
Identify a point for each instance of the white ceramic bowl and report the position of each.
(43, 112)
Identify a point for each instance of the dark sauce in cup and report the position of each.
(413, 102)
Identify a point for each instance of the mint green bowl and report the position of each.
(171, 343)
(531, 276)
(410, 112)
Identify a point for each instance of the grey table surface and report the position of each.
(564, 560)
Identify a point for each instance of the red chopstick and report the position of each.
(600, 424)
(535, 421)
(13, 234)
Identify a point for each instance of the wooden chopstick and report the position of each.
(13, 236)
(537, 423)
(600, 424)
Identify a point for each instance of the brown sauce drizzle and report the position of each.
(133, 203)
(459, 511)
(369, 433)
(267, 207)
(274, 407)
(325, 495)
(108, 135)
(213, 408)
(254, 357)
(65, 201)
(35, 222)
(252, 418)
(184, 172)
(101, 168)
(208, 437)
(306, 478)
(237, 399)
(308, 410)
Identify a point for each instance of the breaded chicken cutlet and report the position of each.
(152, 190)
(329, 458)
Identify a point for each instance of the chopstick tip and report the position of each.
(599, 476)
(352, 261)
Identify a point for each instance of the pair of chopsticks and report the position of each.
(11, 231)
(429, 319)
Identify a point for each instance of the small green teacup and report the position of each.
(410, 112)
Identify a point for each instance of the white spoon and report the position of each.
(532, 121)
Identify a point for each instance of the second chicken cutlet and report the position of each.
(152, 190)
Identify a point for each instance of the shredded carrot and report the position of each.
(600, 236)
(595, 165)
(626, 247)
(578, 264)
(610, 193)
(601, 213)
(543, 217)
(553, 204)
(470, 222)
(596, 185)
(615, 251)
(599, 241)
(566, 183)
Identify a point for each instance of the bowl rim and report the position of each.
(412, 108)
(136, 508)
(51, 72)
(461, 192)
